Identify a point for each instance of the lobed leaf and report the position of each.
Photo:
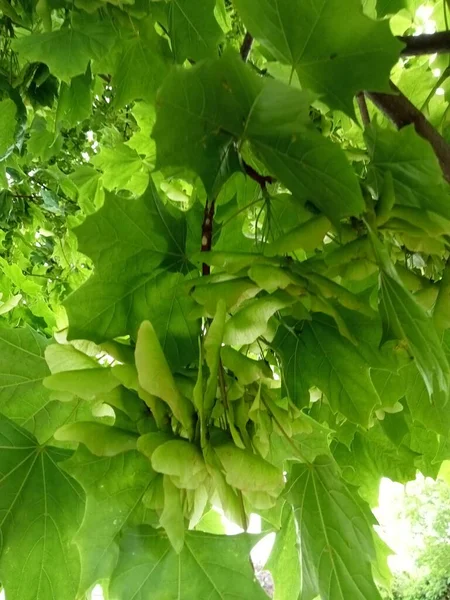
(149, 566)
(41, 508)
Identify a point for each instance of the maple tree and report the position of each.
(224, 247)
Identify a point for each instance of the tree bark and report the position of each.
(402, 112)
(426, 43)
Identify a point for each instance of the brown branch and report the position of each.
(426, 43)
(262, 180)
(402, 112)
(246, 46)
(207, 233)
(365, 117)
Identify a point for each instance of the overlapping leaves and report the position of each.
(224, 390)
(312, 37)
(138, 250)
(222, 101)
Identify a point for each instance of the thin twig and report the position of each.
(402, 112)
(362, 104)
(438, 84)
(223, 387)
(262, 180)
(207, 233)
(238, 212)
(246, 46)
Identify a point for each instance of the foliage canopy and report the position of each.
(224, 284)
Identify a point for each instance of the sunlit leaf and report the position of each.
(324, 507)
(149, 565)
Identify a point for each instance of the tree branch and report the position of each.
(402, 112)
(246, 46)
(365, 117)
(426, 43)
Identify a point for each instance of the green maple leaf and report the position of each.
(319, 356)
(404, 319)
(8, 115)
(431, 411)
(123, 169)
(416, 174)
(114, 488)
(22, 370)
(23, 397)
(373, 456)
(193, 29)
(141, 66)
(390, 7)
(201, 111)
(41, 509)
(284, 560)
(68, 51)
(135, 279)
(335, 49)
(209, 566)
(141, 140)
(337, 542)
(75, 100)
